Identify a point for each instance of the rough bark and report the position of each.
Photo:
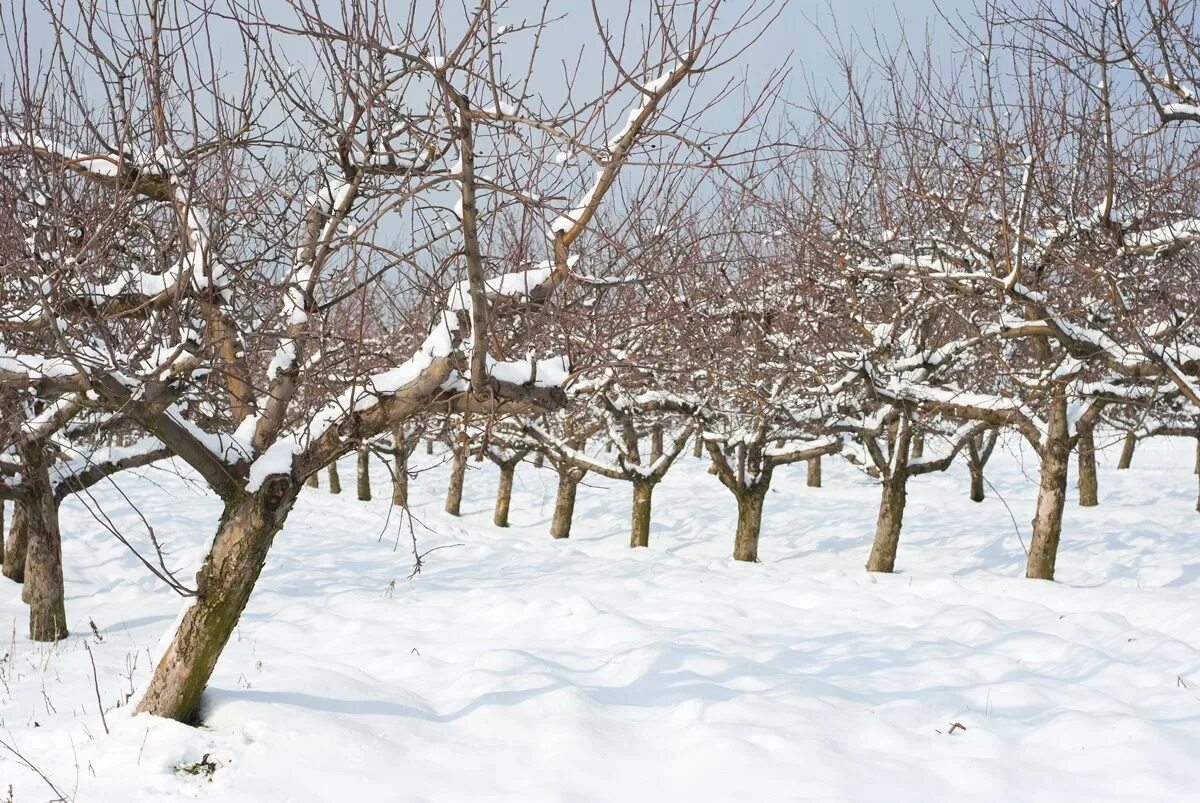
(504, 495)
(458, 473)
(1085, 448)
(749, 525)
(15, 546)
(364, 474)
(1127, 448)
(814, 472)
(639, 534)
(313, 480)
(1052, 494)
(564, 503)
(888, 523)
(335, 481)
(918, 446)
(656, 442)
(698, 446)
(248, 526)
(43, 571)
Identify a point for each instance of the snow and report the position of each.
(516, 668)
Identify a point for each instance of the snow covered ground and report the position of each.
(518, 668)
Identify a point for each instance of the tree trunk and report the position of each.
(429, 446)
(335, 481)
(1052, 494)
(1, 531)
(15, 546)
(749, 524)
(656, 442)
(401, 449)
(976, 471)
(814, 472)
(313, 481)
(1127, 451)
(639, 534)
(231, 568)
(564, 504)
(1085, 448)
(458, 473)
(698, 446)
(364, 474)
(43, 555)
(504, 494)
(888, 523)
(918, 445)
(539, 459)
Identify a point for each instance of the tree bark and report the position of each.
(1085, 448)
(749, 525)
(1127, 448)
(335, 481)
(639, 534)
(698, 446)
(364, 474)
(402, 448)
(43, 556)
(814, 472)
(16, 545)
(1052, 493)
(458, 473)
(888, 523)
(248, 526)
(429, 446)
(976, 471)
(1, 531)
(918, 445)
(313, 481)
(539, 459)
(656, 442)
(504, 494)
(564, 504)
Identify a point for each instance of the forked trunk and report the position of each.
(639, 534)
(1052, 494)
(814, 472)
(888, 523)
(231, 568)
(564, 504)
(458, 473)
(976, 471)
(15, 545)
(1085, 448)
(335, 481)
(749, 525)
(504, 494)
(364, 475)
(1127, 448)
